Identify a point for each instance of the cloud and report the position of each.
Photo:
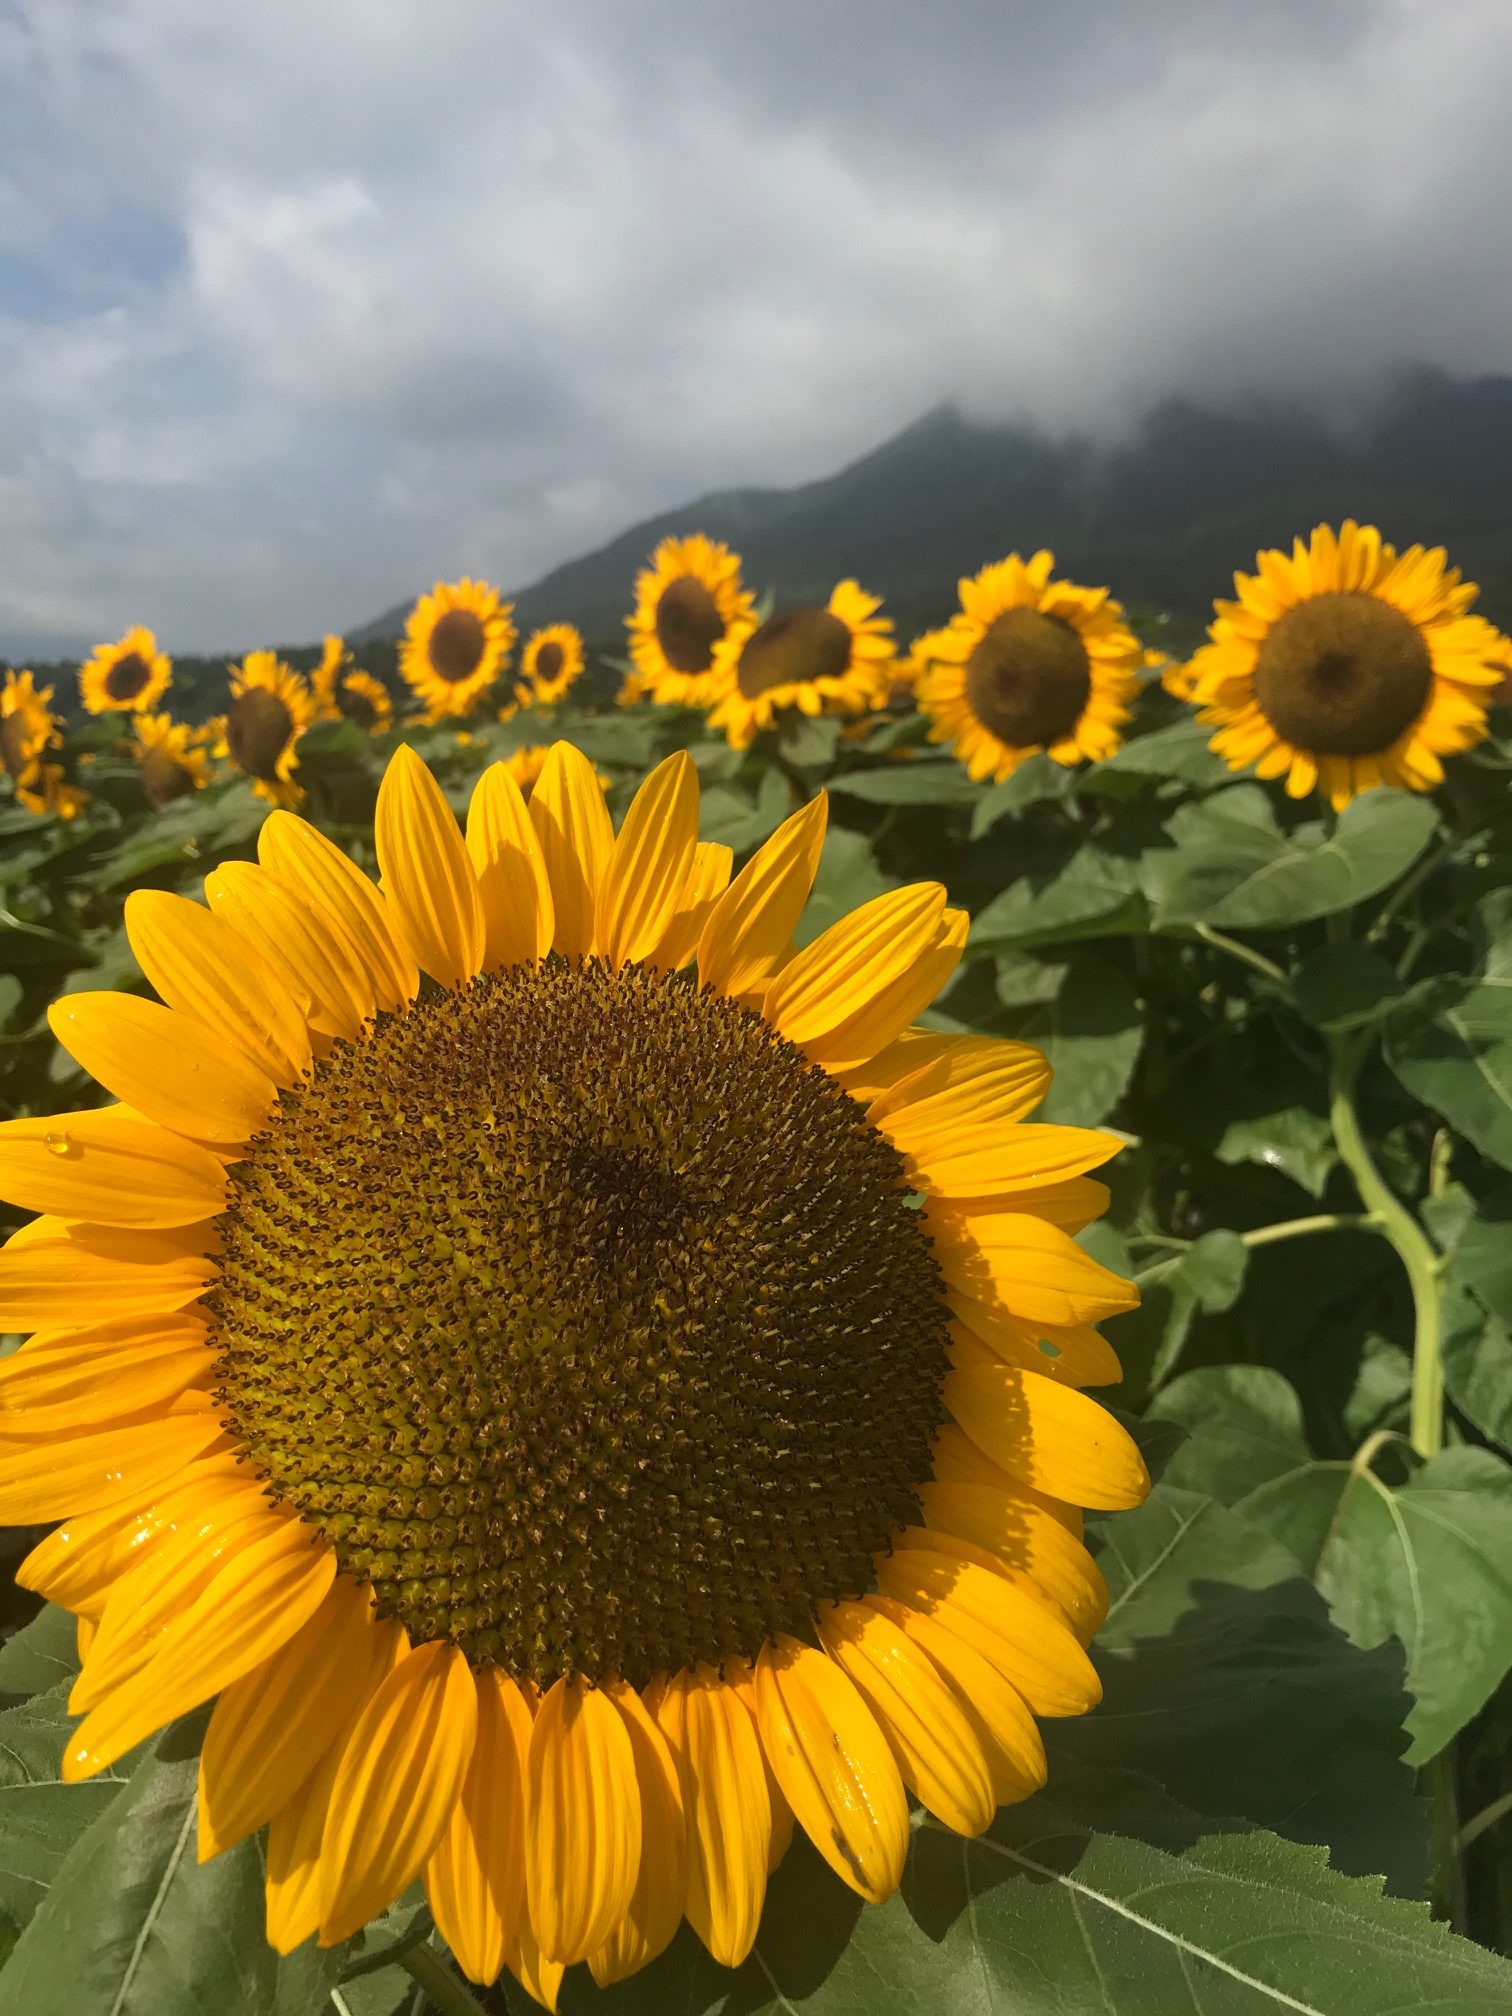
(307, 305)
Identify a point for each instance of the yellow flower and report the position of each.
(835, 660)
(551, 662)
(1346, 665)
(1028, 664)
(686, 601)
(28, 731)
(363, 699)
(270, 709)
(528, 761)
(454, 646)
(172, 759)
(131, 675)
(335, 659)
(519, 1394)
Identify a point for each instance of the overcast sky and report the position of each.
(305, 302)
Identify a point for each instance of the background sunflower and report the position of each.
(172, 758)
(131, 675)
(335, 658)
(455, 645)
(834, 660)
(551, 662)
(270, 709)
(686, 601)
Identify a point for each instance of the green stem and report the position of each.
(1396, 1223)
(441, 1985)
(1236, 949)
(1299, 1228)
(1484, 1821)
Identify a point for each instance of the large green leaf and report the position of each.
(1060, 888)
(1451, 1046)
(1231, 865)
(1205, 1276)
(1091, 1032)
(40, 1817)
(44, 1654)
(915, 783)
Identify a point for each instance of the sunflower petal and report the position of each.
(47, 1283)
(656, 1904)
(707, 881)
(714, 1743)
(1033, 1269)
(583, 1821)
(513, 886)
(174, 1070)
(427, 875)
(1050, 1435)
(1011, 1744)
(572, 824)
(109, 1165)
(200, 967)
(317, 965)
(299, 855)
(65, 1480)
(649, 863)
(475, 1880)
(750, 929)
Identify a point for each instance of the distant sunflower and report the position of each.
(335, 658)
(518, 1399)
(129, 676)
(362, 699)
(455, 645)
(1029, 664)
(172, 759)
(527, 762)
(29, 730)
(270, 709)
(686, 602)
(1346, 665)
(551, 662)
(834, 660)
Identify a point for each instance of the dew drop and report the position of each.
(60, 1144)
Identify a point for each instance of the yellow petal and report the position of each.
(970, 1079)
(707, 881)
(79, 1563)
(1078, 1354)
(937, 1750)
(270, 1729)
(174, 1070)
(400, 1775)
(475, 1880)
(750, 929)
(110, 1165)
(80, 1399)
(992, 1705)
(316, 965)
(301, 856)
(583, 1821)
(862, 982)
(728, 1814)
(1027, 1540)
(202, 968)
(572, 824)
(47, 1283)
(656, 1904)
(649, 863)
(513, 886)
(958, 1460)
(978, 1159)
(834, 1766)
(427, 876)
(1033, 1269)
(66, 1479)
(538, 1976)
(1050, 1435)
(257, 1601)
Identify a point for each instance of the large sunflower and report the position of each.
(129, 676)
(28, 731)
(520, 1396)
(172, 759)
(834, 660)
(551, 663)
(1028, 664)
(270, 709)
(685, 603)
(455, 645)
(1347, 665)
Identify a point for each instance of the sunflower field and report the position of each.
(765, 1316)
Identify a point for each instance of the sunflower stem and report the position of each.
(442, 1987)
(1300, 1228)
(1236, 949)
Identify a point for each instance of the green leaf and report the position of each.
(1450, 1044)
(1181, 752)
(41, 1818)
(1061, 887)
(1294, 1141)
(807, 743)
(1345, 986)
(1205, 1276)
(848, 876)
(1091, 1032)
(1038, 781)
(1476, 1350)
(42, 1655)
(916, 783)
(1230, 866)
(1244, 1429)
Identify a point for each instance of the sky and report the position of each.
(305, 303)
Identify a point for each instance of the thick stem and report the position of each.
(442, 1987)
(1396, 1223)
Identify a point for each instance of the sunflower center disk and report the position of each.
(1343, 675)
(14, 740)
(1028, 679)
(127, 677)
(792, 648)
(688, 624)
(163, 778)
(548, 661)
(588, 1321)
(456, 646)
(258, 727)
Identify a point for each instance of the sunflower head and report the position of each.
(129, 676)
(834, 660)
(552, 662)
(686, 602)
(1028, 664)
(172, 759)
(455, 645)
(580, 1413)
(1347, 665)
(270, 709)
(28, 725)
(362, 699)
(325, 680)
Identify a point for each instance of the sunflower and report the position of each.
(519, 1398)
(454, 646)
(686, 602)
(1347, 666)
(335, 658)
(270, 709)
(550, 663)
(28, 731)
(835, 660)
(528, 761)
(129, 676)
(1028, 664)
(363, 699)
(172, 759)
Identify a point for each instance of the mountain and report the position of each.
(1164, 517)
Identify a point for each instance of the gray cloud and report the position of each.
(301, 306)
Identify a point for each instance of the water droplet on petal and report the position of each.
(60, 1144)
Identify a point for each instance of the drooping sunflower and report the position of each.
(530, 1404)
(454, 646)
(129, 676)
(834, 660)
(29, 730)
(1028, 664)
(1347, 665)
(172, 759)
(686, 602)
(335, 659)
(551, 662)
(270, 709)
